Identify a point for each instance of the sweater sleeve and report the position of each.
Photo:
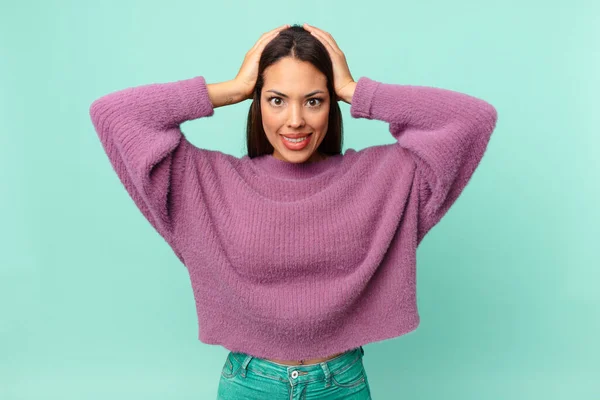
(445, 132)
(139, 128)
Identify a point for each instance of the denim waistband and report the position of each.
(295, 373)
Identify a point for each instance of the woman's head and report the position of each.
(294, 94)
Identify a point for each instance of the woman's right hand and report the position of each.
(246, 78)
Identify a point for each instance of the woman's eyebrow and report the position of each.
(308, 95)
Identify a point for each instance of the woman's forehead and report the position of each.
(299, 77)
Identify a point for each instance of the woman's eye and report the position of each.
(319, 101)
(314, 102)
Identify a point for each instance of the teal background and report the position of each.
(95, 305)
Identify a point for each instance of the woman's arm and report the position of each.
(446, 132)
(225, 93)
(139, 128)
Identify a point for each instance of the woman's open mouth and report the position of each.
(296, 144)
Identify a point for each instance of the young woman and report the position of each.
(298, 254)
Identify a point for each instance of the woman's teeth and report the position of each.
(295, 140)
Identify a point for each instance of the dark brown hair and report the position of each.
(298, 43)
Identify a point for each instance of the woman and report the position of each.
(298, 254)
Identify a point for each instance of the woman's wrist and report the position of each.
(347, 92)
(225, 93)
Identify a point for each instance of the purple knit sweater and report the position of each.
(297, 261)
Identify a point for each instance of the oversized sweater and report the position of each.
(297, 261)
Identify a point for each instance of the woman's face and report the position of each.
(295, 101)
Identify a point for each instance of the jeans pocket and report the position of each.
(349, 376)
(231, 367)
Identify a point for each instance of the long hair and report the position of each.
(298, 43)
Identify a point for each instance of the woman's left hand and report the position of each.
(343, 82)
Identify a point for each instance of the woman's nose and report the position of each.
(296, 118)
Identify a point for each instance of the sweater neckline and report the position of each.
(269, 165)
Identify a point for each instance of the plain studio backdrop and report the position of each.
(94, 304)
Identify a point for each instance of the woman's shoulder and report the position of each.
(213, 157)
(380, 154)
(365, 162)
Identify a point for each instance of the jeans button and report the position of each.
(295, 374)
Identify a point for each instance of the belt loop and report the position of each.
(327, 374)
(245, 364)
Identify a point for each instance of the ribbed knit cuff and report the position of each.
(362, 98)
(193, 101)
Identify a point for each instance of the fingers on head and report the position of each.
(323, 34)
(267, 36)
(263, 40)
(276, 30)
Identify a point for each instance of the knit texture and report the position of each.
(297, 261)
